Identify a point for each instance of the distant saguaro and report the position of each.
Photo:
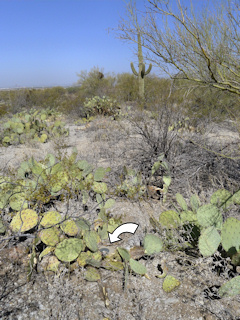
(141, 69)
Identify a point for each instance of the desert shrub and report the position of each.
(155, 138)
(94, 83)
(206, 103)
(126, 88)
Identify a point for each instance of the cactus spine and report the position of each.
(141, 69)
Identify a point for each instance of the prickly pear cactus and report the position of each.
(69, 249)
(24, 220)
(209, 241)
(152, 244)
(33, 125)
(231, 234)
(209, 215)
(50, 236)
(181, 201)
(137, 267)
(230, 288)
(170, 219)
(170, 283)
(92, 274)
(92, 239)
(221, 197)
(51, 218)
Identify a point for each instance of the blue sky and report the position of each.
(47, 42)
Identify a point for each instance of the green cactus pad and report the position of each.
(152, 244)
(124, 253)
(69, 249)
(109, 203)
(99, 187)
(99, 174)
(83, 224)
(24, 220)
(170, 283)
(92, 274)
(43, 138)
(92, 239)
(236, 197)
(181, 201)
(170, 219)
(219, 197)
(231, 234)
(188, 216)
(230, 288)
(137, 267)
(209, 215)
(61, 179)
(50, 236)
(103, 232)
(83, 257)
(17, 202)
(70, 228)
(50, 218)
(209, 241)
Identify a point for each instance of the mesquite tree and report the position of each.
(199, 46)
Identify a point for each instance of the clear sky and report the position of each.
(47, 42)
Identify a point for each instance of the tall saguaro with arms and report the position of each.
(141, 69)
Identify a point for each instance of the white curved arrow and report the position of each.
(125, 227)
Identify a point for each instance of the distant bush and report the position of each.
(95, 83)
(126, 88)
(104, 106)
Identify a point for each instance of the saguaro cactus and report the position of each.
(141, 69)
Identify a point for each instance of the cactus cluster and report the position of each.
(131, 184)
(208, 220)
(105, 106)
(32, 125)
(65, 239)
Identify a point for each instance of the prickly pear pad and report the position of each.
(170, 283)
(24, 220)
(69, 249)
(231, 234)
